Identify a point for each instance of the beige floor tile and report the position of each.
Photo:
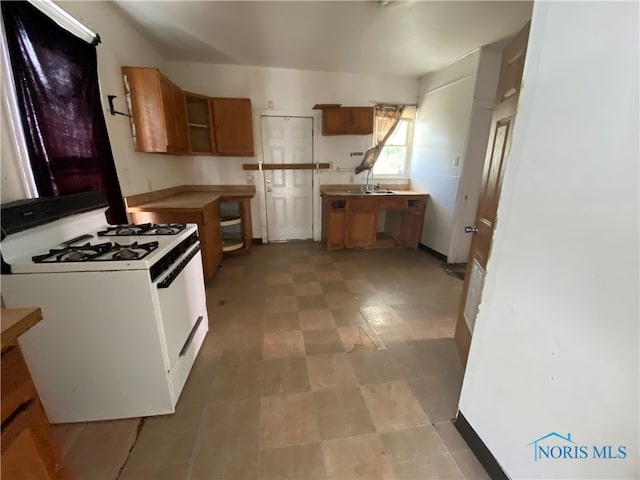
(287, 420)
(101, 448)
(336, 286)
(359, 337)
(316, 319)
(379, 316)
(241, 465)
(360, 286)
(307, 288)
(345, 423)
(440, 409)
(451, 438)
(307, 462)
(330, 371)
(306, 275)
(180, 447)
(317, 342)
(436, 468)
(275, 464)
(283, 345)
(131, 472)
(173, 472)
(311, 302)
(393, 406)
(348, 316)
(470, 466)
(329, 276)
(279, 278)
(336, 300)
(409, 445)
(339, 399)
(281, 304)
(356, 457)
(281, 322)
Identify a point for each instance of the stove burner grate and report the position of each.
(81, 253)
(143, 229)
(107, 251)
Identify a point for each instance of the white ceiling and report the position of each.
(402, 37)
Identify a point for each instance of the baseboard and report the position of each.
(477, 446)
(257, 241)
(432, 252)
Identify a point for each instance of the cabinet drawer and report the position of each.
(393, 203)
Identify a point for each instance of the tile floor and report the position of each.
(318, 365)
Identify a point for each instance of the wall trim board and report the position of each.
(478, 447)
(432, 252)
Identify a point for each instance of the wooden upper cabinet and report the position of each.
(347, 121)
(233, 126)
(334, 121)
(200, 123)
(158, 111)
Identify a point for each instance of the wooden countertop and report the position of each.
(16, 321)
(186, 201)
(186, 198)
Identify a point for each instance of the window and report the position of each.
(394, 156)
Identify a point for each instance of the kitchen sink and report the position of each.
(371, 192)
(380, 192)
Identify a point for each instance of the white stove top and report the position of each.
(18, 249)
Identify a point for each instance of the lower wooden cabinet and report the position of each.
(372, 221)
(362, 222)
(29, 450)
(334, 215)
(208, 221)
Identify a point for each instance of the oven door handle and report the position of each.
(185, 347)
(168, 280)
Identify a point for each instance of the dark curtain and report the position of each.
(56, 78)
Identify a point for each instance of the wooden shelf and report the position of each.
(228, 221)
(231, 244)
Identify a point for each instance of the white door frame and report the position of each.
(316, 120)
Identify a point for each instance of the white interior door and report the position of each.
(288, 193)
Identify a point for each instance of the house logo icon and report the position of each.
(544, 446)
(554, 446)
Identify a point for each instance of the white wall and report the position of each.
(121, 45)
(293, 92)
(440, 134)
(555, 346)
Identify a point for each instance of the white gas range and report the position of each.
(124, 307)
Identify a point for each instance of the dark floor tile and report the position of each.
(317, 342)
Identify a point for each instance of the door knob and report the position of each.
(469, 229)
(269, 189)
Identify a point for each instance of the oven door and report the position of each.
(182, 302)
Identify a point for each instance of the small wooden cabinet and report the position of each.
(29, 450)
(233, 126)
(372, 221)
(362, 221)
(347, 121)
(200, 125)
(158, 113)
